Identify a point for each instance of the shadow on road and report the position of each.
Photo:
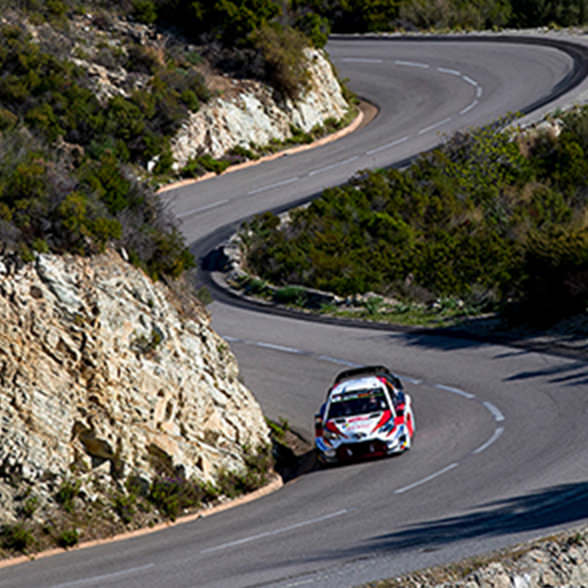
(480, 332)
(565, 504)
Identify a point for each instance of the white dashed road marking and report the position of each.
(495, 412)
(427, 479)
(490, 441)
(276, 185)
(387, 146)
(332, 166)
(202, 208)
(455, 391)
(434, 126)
(361, 60)
(468, 108)
(452, 72)
(99, 580)
(412, 64)
(275, 531)
(278, 347)
(469, 80)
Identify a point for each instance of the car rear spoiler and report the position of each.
(368, 370)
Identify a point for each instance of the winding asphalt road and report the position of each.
(501, 452)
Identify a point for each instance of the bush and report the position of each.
(284, 59)
(295, 295)
(16, 537)
(145, 11)
(556, 275)
(68, 538)
(67, 492)
(198, 166)
(173, 495)
(257, 466)
(475, 216)
(30, 506)
(125, 506)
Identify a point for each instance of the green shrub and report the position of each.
(295, 295)
(30, 506)
(172, 495)
(145, 11)
(68, 538)
(556, 275)
(125, 506)
(284, 60)
(373, 305)
(7, 119)
(315, 27)
(203, 294)
(461, 222)
(200, 165)
(255, 286)
(257, 467)
(67, 492)
(16, 537)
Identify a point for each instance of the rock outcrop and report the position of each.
(108, 374)
(255, 115)
(560, 560)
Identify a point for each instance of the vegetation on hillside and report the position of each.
(66, 176)
(71, 159)
(70, 518)
(360, 16)
(485, 218)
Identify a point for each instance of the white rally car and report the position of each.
(366, 414)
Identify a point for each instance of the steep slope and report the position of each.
(106, 375)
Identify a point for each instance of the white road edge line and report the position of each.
(361, 60)
(427, 479)
(411, 380)
(468, 108)
(94, 579)
(455, 391)
(275, 531)
(452, 72)
(412, 64)
(495, 412)
(332, 166)
(469, 81)
(276, 185)
(386, 146)
(479, 91)
(278, 347)
(202, 208)
(490, 441)
(434, 126)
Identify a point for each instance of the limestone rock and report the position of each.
(103, 371)
(253, 115)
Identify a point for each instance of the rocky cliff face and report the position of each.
(108, 374)
(254, 114)
(243, 111)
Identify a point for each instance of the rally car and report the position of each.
(366, 413)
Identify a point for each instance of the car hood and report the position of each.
(360, 426)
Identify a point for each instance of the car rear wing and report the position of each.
(368, 370)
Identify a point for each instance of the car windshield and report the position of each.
(357, 402)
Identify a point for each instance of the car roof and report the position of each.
(367, 370)
(360, 383)
(355, 384)
(361, 374)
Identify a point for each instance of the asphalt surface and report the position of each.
(501, 450)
